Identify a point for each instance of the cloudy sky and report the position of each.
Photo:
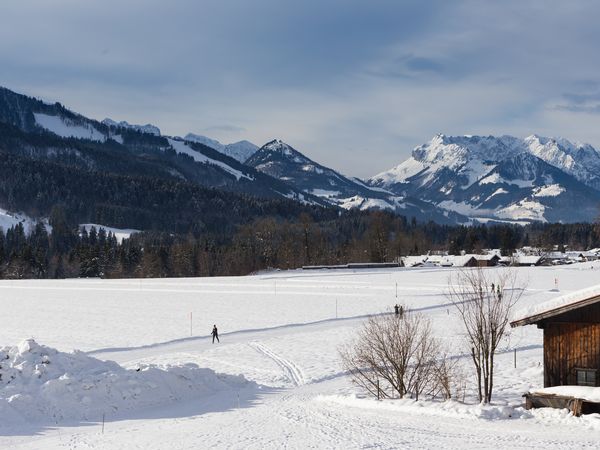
(352, 84)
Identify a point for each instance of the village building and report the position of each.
(527, 260)
(489, 260)
(571, 325)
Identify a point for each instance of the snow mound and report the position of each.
(40, 384)
(449, 408)
(591, 394)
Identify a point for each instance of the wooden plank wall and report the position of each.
(568, 346)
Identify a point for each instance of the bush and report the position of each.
(396, 355)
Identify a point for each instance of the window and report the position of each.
(586, 377)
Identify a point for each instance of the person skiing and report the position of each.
(396, 309)
(215, 334)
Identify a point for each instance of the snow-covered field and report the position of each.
(274, 380)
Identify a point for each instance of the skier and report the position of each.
(215, 334)
(396, 309)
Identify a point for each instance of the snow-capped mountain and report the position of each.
(241, 150)
(148, 128)
(281, 161)
(580, 160)
(487, 177)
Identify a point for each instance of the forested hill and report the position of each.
(124, 177)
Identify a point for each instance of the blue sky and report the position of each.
(353, 84)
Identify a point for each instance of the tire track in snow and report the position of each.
(292, 371)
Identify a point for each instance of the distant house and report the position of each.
(527, 260)
(464, 261)
(571, 325)
(414, 261)
(590, 256)
(488, 260)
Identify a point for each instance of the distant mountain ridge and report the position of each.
(505, 178)
(148, 128)
(282, 161)
(240, 151)
(450, 179)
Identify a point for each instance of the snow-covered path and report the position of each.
(281, 332)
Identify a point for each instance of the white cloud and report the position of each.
(353, 86)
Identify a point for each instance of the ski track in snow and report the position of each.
(293, 372)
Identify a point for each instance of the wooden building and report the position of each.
(490, 260)
(571, 325)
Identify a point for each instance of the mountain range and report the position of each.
(450, 179)
(502, 178)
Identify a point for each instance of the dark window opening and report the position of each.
(586, 377)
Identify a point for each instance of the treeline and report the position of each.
(267, 242)
(127, 201)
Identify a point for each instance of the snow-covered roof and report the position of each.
(528, 259)
(487, 257)
(556, 255)
(411, 261)
(463, 260)
(556, 306)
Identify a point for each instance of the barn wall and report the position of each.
(570, 345)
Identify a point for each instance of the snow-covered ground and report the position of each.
(119, 233)
(281, 332)
(10, 219)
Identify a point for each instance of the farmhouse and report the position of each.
(527, 260)
(571, 325)
(489, 260)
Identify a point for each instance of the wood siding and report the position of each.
(569, 345)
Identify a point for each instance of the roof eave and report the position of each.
(554, 312)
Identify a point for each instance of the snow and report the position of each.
(148, 128)
(556, 303)
(281, 332)
(497, 192)
(523, 210)
(10, 219)
(324, 193)
(41, 385)
(400, 173)
(182, 147)
(312, 168)
(209, 142)
(588, 393)
(462, 208)
(240, 151)
(577, 159)
(363, 203)
(119, 233)
(64, 127)
(467, 160)
(283, 149)
(552, 190)
(493, 178)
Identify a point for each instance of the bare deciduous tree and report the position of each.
(484, 300)
(393, 355)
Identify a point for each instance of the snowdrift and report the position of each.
(39, 384)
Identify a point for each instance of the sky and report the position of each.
(354, 85)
